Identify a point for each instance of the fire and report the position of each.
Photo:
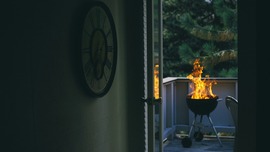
(202, 89)
(156, 81)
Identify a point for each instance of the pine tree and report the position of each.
(205, 29)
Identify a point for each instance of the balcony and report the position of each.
(178, 118)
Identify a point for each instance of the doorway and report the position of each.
(163, 61)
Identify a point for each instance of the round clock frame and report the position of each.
(99, 49)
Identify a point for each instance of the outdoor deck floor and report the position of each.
(206, 145)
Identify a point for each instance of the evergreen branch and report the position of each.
(221, 56)
(205, 33)
(211, 35)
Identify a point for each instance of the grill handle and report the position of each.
(219, 100)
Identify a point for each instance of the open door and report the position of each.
(153, 75)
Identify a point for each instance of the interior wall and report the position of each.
(46, 107)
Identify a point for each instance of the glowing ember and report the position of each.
(201, 89)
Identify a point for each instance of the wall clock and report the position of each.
(99, 49)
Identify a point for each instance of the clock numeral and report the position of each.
(108, 33)
(105, 77)
(108, 64)
(103, 24)
(98, 17)
(99, 85)
(92, 82)
(109, 48)
(92, 23)
(87, 68)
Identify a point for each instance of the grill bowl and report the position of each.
(202, 106)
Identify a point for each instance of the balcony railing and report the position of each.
(176, 114)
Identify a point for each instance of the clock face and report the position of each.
(99, 49)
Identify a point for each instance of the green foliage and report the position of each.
(232, 72)
(188, 54)
(227, 13)
(199, 29)
(209, 48)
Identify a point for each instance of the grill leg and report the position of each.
(200, 125)
(211, 122)
(191, 128)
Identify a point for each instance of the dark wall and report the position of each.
(46, 107)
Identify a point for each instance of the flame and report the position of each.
(201, 89)
(156, 81)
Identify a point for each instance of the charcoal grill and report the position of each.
(202, 107)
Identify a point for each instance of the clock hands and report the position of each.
(98, 56)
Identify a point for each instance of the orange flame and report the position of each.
(156, 81)
(202, 89)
